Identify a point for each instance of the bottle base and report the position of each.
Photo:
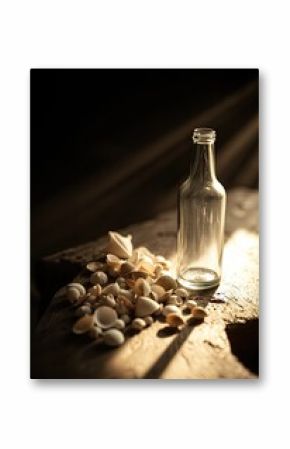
(199, 279)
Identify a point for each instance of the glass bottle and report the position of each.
(201, 217)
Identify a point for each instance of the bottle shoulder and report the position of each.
(193, 189)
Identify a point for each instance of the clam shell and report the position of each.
(120, 246)
(113, 337)
(145, 306)
(167, 282)
(84, 324)
(114, 289)
(105, 317)
(138, 324)
(174, 319)
(170, 309)
(99, 277)
(142, 287)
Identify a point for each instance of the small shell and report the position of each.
(113, 337)
(159, 290)
(174, 319)
(114, 289)
(138, 324)
(199, 313)
(167, 282)
(126, 268)
(129, 294)
(175, 300)
(79, 286)
(91, 299)
(120, 246)
(95, 290)
(182, 293)
(141, 287)
(84, 324)
(148, 320)
(145, 306)
(109, 300)
(190, 303)
(125, 317)
(105, 317)
(99, 277)
(75, 291)
(113, 262)
(170, 309)
(94, 266)
(95, 332)
(119, 324)
(83, 310)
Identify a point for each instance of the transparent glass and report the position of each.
(201, 217)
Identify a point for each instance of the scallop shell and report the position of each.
(84, 324)
(113, 337)
(141, 287)
(114, 289)
(99, 277)
(120, 246)
(167, 282)
(170, 309)
(105, 317)
(138, 324)
(174, 319)
(145, 306)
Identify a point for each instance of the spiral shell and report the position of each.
(120, 246)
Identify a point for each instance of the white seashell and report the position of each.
(113, 261)
(79, 286)
(73, 294)
(174, 319)
(114, 289)
(182, 293)
(113, 337)
(141, 287)
(83, 310)
(99, 277)
(119, 324)
(120, 246)
(109, 300)
(148, 320)
(170, 309)
(175, 300)
(84, 324)
(125, 317)
(167, 282)
(145, 306)
(105, 317)
(94, 266)
(138, 324)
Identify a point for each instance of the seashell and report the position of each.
(148, 320)
(113, 337)
(109, 300)
(145, 306)
(190, 303)
(75, 292)
(167, 282)
(146, 264)
(121, 282)
(114, 289)
(119, 324)
(99, 277)
(94, 266)
(125, 317)
(138, 324)
(182, 293)
(159, 290)
(95, 332)
(83, 324)
(79, 286)
(141, 287)
(91, 299)
(83, 310)
(170, 309)
(113, 262)
(95, 290)
(174, 319)
(198, 313)
(174, 299)
(129, 294)
(105, 317)
(126, 268)
(120, 246)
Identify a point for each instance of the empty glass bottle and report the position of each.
(201, 216)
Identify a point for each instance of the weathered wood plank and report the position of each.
(206, 351)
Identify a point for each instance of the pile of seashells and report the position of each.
(128, 289)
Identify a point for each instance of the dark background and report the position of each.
(110, 147)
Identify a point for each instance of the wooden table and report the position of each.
(224, 346)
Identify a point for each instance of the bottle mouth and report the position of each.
(204, 135)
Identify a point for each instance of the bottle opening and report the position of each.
(204, 135)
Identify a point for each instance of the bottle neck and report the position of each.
(202, 168)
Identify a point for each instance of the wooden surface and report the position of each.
(224, 346)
